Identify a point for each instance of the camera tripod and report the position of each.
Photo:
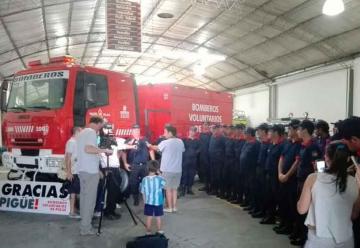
(107, 174)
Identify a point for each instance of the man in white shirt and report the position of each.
(171, 165)
(88, 169)
(71, 170)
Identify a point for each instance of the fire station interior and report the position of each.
(229, 69)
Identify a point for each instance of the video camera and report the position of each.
(107, 137)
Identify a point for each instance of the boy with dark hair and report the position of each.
(152, 190)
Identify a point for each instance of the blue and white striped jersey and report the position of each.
(152, 188)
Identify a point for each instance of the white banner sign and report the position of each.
(34, 197)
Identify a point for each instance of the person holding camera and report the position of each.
(88, 168)
(71, 173)
(135, 161)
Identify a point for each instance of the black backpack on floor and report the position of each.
(149, 241)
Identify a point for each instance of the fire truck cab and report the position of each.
(47, 100)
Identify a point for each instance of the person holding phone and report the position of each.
(331, 200)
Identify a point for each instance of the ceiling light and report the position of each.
(333, 7)
(165, 15)
(199, 70)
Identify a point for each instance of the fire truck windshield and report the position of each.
(37, 94)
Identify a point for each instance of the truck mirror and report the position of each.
(91, 92)
(3, 96)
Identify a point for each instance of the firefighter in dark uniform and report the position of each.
(248, 159)
(237, 194)
(307, 156)
(190, 156)
(287, 178)
(216, 151)
(135, 161)
(204, 139)
(229, 163)
(322, 134)
(275, 150)
(262, 132)
(349, 130)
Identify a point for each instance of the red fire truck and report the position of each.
(47, 100)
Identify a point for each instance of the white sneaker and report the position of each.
(97, 214)
(168, 210)
(160, 232)
(174, 210)
(88, 233)
(74, 216)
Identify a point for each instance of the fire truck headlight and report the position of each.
(55, 162)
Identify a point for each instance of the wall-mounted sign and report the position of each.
(123, 19)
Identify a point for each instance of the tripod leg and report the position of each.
(130, 212)
(102, 205)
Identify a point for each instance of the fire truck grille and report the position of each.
(30, 152)
(27, 142)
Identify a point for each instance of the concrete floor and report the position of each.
(203, 221)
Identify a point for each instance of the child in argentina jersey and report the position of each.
(152, 190)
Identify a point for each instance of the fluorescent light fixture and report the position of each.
(333, 7)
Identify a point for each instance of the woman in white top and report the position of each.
(330, 199)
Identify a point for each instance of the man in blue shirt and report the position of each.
(230, 163)
(190, 156)
(271, 172)
(287, 178)
(248, 160)
(238, 192)
(262, 132)
(135, 161)
(216, 151)
(322, 134)
(307, 156)
(204, 139)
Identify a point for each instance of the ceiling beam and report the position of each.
(12, 41)
(71, 7)
(100, 53)
(222, 31)
(93, 20)
(39, 7)
(45, 29)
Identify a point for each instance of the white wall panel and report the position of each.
(357, 87)
(255, 103)
(322, 95)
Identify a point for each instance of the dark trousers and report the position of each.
(271, 192)
(137, 173)
(216, 170)
(301, 229)
(206, 171)
(260, 189)
(226, 177)
(113, 191)
(356, 228)
(188, 173)
(287, 204)
(250, 187)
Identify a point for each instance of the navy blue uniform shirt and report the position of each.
(230, 148)
(217, 146)
(192, 149)
(273, 156)
(322, 143)
(308, 154)
(291, 150)
(249, 155)
(139, 155)
(264, 145)
(204, 139)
